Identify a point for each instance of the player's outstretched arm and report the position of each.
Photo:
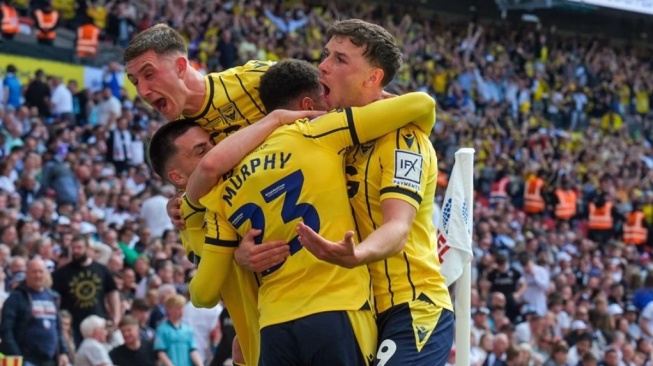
(228, 153)
(387, 240)
(258, 258)
(212, 271)
(381, 117)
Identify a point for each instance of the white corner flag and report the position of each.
(455, 246)
(455, 228)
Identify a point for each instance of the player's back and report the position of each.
(403, 165)
(291, 179)
(232, 100)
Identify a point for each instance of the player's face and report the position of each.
(344, 72)
(191, 147)
(159, 80)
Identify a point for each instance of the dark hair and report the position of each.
(524, 257)
(140, 304)
(286, 81)
(585, 337)
(160, 38)
(162, 145)
(381, 49)
(11, 68)
(80, 237)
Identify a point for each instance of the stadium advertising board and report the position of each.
(87, 77)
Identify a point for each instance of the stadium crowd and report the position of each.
(563, 182)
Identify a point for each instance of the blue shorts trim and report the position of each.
(418, 333)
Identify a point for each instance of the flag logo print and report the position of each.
(446, 215)
(465, 213)
(454, 244)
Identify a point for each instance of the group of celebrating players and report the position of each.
(314, 229)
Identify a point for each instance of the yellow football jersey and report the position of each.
(232, 100)
(402, 165)
(240, 291)
(304, 181)
(193, 237)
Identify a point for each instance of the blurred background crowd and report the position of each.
(561, 125)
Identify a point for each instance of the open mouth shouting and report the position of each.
(160, 105)
(326, 93)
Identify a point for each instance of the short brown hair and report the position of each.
(174, 300)
(160, 38)
(381, 50)
(128, 320)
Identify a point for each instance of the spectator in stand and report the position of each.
(134, 351)
(141, 311)
(93, 350)
(175, 342)
(204, 323)
(67, 331)
(46, 21)
(537, 283)
(119, 146)
(153, 211)
(87, 288)
(13, 93)
(109, 109)
(38, 93)
(59, 180)
(61, 101)
(31, 324)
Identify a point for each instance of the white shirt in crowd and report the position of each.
(203, 322)
(647, 315)
(154, 212)
(536, 286)
(108, 108)
(91, 353)
(523, 332)
(62, 99)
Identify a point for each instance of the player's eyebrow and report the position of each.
(200, 144)
(341, 55)
(142, 68)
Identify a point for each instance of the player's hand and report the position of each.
(258, 258)
(174, 211)
(342, 253)
(286, 117)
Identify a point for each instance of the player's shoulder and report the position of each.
(406, 137)
(253, 66)
(187, 207)
(211, 200)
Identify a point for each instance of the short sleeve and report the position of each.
(406, 161)
(160, 343)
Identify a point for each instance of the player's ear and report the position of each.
(176, 178)
(307, 104)
(376, 77)
(181, 63)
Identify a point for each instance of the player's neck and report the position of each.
(196, 84)
(373, 96)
